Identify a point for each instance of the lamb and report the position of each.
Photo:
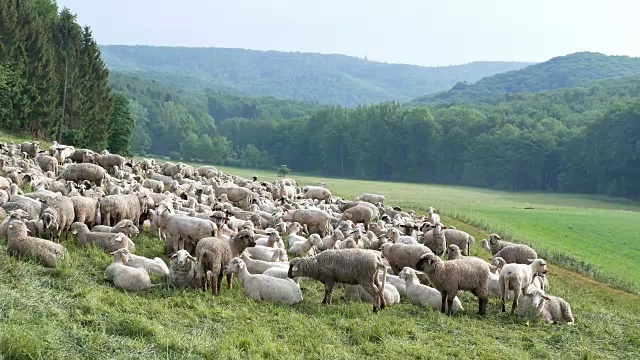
(20, 245)
(57, 215)
(348, 266)
(304, 247)
(399, 284)
(449, 277)
(400, 256)
(260, 266)
(494, 244)
(272, 240)
(293, 234)
(126, 277)
(359, 214)
(371, 198)
(125, 226)
(84, 172)
(213, 255)
(18, 214)
(391, 294)
(517, 253)
(537, 304)
(540, 281)
(280, 273)
(495, 290)
(262, 287)
(518, 276)
(311, 217)
(424, 295)
(106, 241)
(152, 266)
(182, 272)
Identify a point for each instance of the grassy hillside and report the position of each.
(326, 79)
(557, 73)
(73, 313)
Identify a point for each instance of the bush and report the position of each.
(175, 156)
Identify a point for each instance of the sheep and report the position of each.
(393, 234)
(537, 304)
(449, 277)
(57, 215)
(154, 185)
(434, 239)
(293, 236)
(371, 198)
(81, 172)
(360, 214)
(260, 266)
(453, 252)
(31, 148)
(280, 273)
(432, 216)
(460, 238)
(182, 272)
(540, 281)
(114, 208)
(262, 287)
(236, 195)
(47, 163)
(318, 193)
(152, 266)
(391, 294)
(265, 253)
(348, 266)
(400, 256)
(304, 247)
(213, 254)
(494, 244)
(181, 228)
(18, 214)
(125, 226)
(424, 295)
(516, 253)
(311, 218)
(126, 277)
(272, 240)
(106, 241)
(85, 209)
(495, 290)
(517, 276)
(20, 245)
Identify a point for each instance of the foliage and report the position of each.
(325, 79)
(123, 125)
(560, 72)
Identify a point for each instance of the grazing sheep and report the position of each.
(262, 287)
(424, 295)
(359, 214)
(449, 277)
(391, 294)
(400, 256)
(126, 277)
(182, 271)
(84, 172)
(517, 253)
(106, 241)
(20, 245)
(152, 266)
(348, 266)
(537, 304)
(125, 226)
(518, 276)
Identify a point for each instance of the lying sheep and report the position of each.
(348, 266)
(152, 266)
(518, 276)
(304, 247)
(424, 295)
(265, 253)
(126, 277)
(20, 245)
(126, 227)
(260, 266)
(106, 241)
(449, 277)
(537, 304)
(391, 294)
(371, 198)
(18, 214)
(262, 287)
(400, 256)
(516, 253)
(182, 271)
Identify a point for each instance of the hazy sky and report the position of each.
(422, 32)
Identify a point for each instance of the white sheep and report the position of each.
(537, 304)
(262, 287)
(303, 247)
(516, 277)
(424, 295)
(152, 266)
(126, 277)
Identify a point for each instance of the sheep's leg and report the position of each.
(444, 302)
(375, 294)
(482, 311)
(328, 288)
(229, 276)
(450, 305)
(515, 301)
(219, 281)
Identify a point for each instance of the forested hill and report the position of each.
(557, 73)
(325, 79)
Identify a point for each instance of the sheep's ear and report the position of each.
(294, 268)
(173, 256)
(546, 297)
(113, 252)
(74, 232)
(118, 238)
(531, 260)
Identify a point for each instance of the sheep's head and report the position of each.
(76, 227)
(493, 239)
(246, 238)
(18, 228)
(453, 252)
(431, 210)
(538, 265)
(18, 214)
(406, 272)
(47, 220)
(122, 255)
(128, 227)
(537, 296)
(428, 262)
(315, 239)
(234, 266)
(182, 257)
(294, 268)
(498, 262)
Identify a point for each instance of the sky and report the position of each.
(421, 32)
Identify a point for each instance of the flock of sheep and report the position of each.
(215, 225)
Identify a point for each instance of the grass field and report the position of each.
(74, 313)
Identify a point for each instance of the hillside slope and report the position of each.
(326, 79)
(557, 73)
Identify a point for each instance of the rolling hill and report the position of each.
(557, 73)
(325, 79)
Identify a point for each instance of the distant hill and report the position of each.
(557, 73)
(320, 78)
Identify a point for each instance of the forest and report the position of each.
(321, 78)
(53, 82)
(571, 124)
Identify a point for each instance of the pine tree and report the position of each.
(123, 125)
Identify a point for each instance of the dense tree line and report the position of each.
(53, 82)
